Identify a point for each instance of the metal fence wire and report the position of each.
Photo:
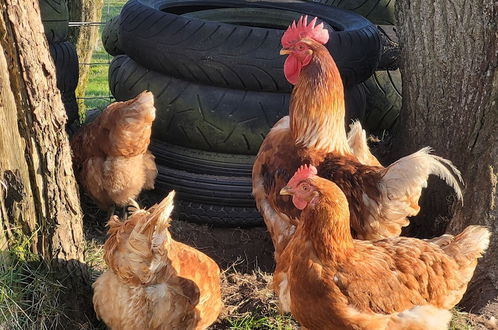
(97, 93)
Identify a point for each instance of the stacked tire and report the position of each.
(55, 19)
(217, 76)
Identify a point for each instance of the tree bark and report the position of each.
(39, 197)
(449, 52)
(84, 38)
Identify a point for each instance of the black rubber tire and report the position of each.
(67, 75)
(390, 54)
(235, 191)
(110, 36)
(214, 200)
(256, 17)
(384, 100)
(66, 65)
(197, 116)
(355, 99)
(220, 216)
(206, 117)
(55, 19)
(91, 115)
(236, 56)
(377, 11)
(200, 161)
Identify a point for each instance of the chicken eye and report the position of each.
(300, 47)
(305, 187)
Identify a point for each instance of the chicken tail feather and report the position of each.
(357, 140)
(471, 243)
(416, 318)
(421, 317)
(410, 173)
(145, 245)
(357, 137)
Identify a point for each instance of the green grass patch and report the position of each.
(94, 258)
(460, 321)
(29, 298)
(249, 322)
(112, 8)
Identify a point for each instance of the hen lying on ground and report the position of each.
(110, 156)
(328, 280)
(380, 199)
(155, 282)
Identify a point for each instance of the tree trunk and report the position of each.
(84, 38)
(39, 198)
(449, 52)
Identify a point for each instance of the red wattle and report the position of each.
(299, 203)
(292, 68)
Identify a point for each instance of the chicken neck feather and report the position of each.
(330, 239)
(317, 110)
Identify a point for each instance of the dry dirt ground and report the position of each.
(246, 259)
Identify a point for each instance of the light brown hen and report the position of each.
(328, 280)
(155, 282)
(110, 156)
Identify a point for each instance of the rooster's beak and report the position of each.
(285, 51)
(285, 191)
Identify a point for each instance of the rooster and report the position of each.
(328, 280)
(155, 282)
(110, 156)
(380, 198)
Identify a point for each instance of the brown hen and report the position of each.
(110, 156)
(380, 198)
(328, 280)
(155, 282)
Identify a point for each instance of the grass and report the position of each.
(254, 322)
(250, 303)
(94, 258)
(29, 298)
(460, 320)
(112, 8)
(97, 89)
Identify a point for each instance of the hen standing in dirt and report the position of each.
(380, 199)
(110, 155)
(155, 282)
(328, 280)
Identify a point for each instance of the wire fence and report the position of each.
(97, 92)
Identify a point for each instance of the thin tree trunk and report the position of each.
(449, 52)
(84, 38)
(39, 197)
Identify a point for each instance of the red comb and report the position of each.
(302, 30)
(304, 172)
